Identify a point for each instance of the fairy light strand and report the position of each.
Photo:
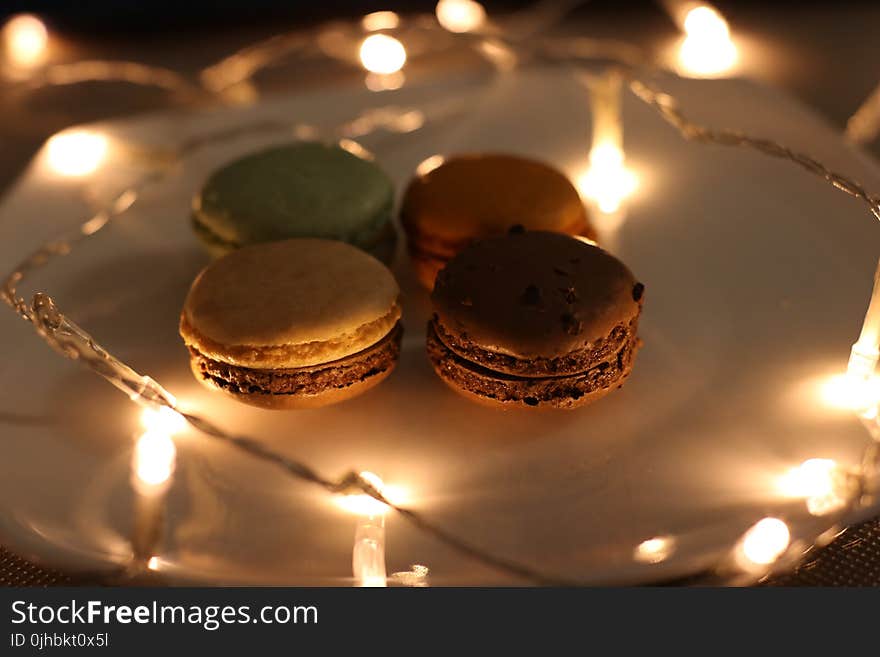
(73, 342)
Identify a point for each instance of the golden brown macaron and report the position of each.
(480, 195)
(293, 324)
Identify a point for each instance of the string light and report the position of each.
(866, 351)
(368, 554)
(764, 543)
(381, 53)
(851, 393)
(25, 39)
(460, 15)
(707, 49)
(858, 389)
(76, 153)
(155, 453)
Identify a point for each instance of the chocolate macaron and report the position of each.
(534, 319)
(473, 196)
(303, 189)
(293, 324)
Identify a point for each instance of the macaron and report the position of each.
(473, 196)
(293, 324)
(304, 189)
(534, 319)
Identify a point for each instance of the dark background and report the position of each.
(825, 53)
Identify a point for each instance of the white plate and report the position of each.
(757, 276)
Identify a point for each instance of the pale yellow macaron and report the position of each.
(293, 324)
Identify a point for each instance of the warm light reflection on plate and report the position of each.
(380, 20)
(76, 153)
(654, 550)
(427, 165)
(154, 458)
(607, 182)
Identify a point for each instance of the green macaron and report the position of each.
(304, 189)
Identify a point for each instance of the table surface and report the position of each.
(812, 45)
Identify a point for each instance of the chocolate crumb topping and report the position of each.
(569, 294)
(638, 291)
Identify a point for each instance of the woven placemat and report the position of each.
(852, 559)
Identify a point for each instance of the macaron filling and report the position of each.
(574, 362)
(311, 380)
(556, 391)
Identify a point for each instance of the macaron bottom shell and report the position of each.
(496, 389)
(304, 387)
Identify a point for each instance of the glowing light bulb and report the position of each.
(366, 505)
(851, 392)
(154, 459)
(654, 550)
(812, 477)
(153, 563)
(76, 153)
(707, 49)
(380, 20)
(607, 181)
(460, 15)
(765, 542)
(705, 22)
(161, 419)
(25, 38)
(820, 482)
(368, 554)
(381, 53)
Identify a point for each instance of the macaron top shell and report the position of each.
(306, 189)
(534, 295)
(290, 304)
(474, 196)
